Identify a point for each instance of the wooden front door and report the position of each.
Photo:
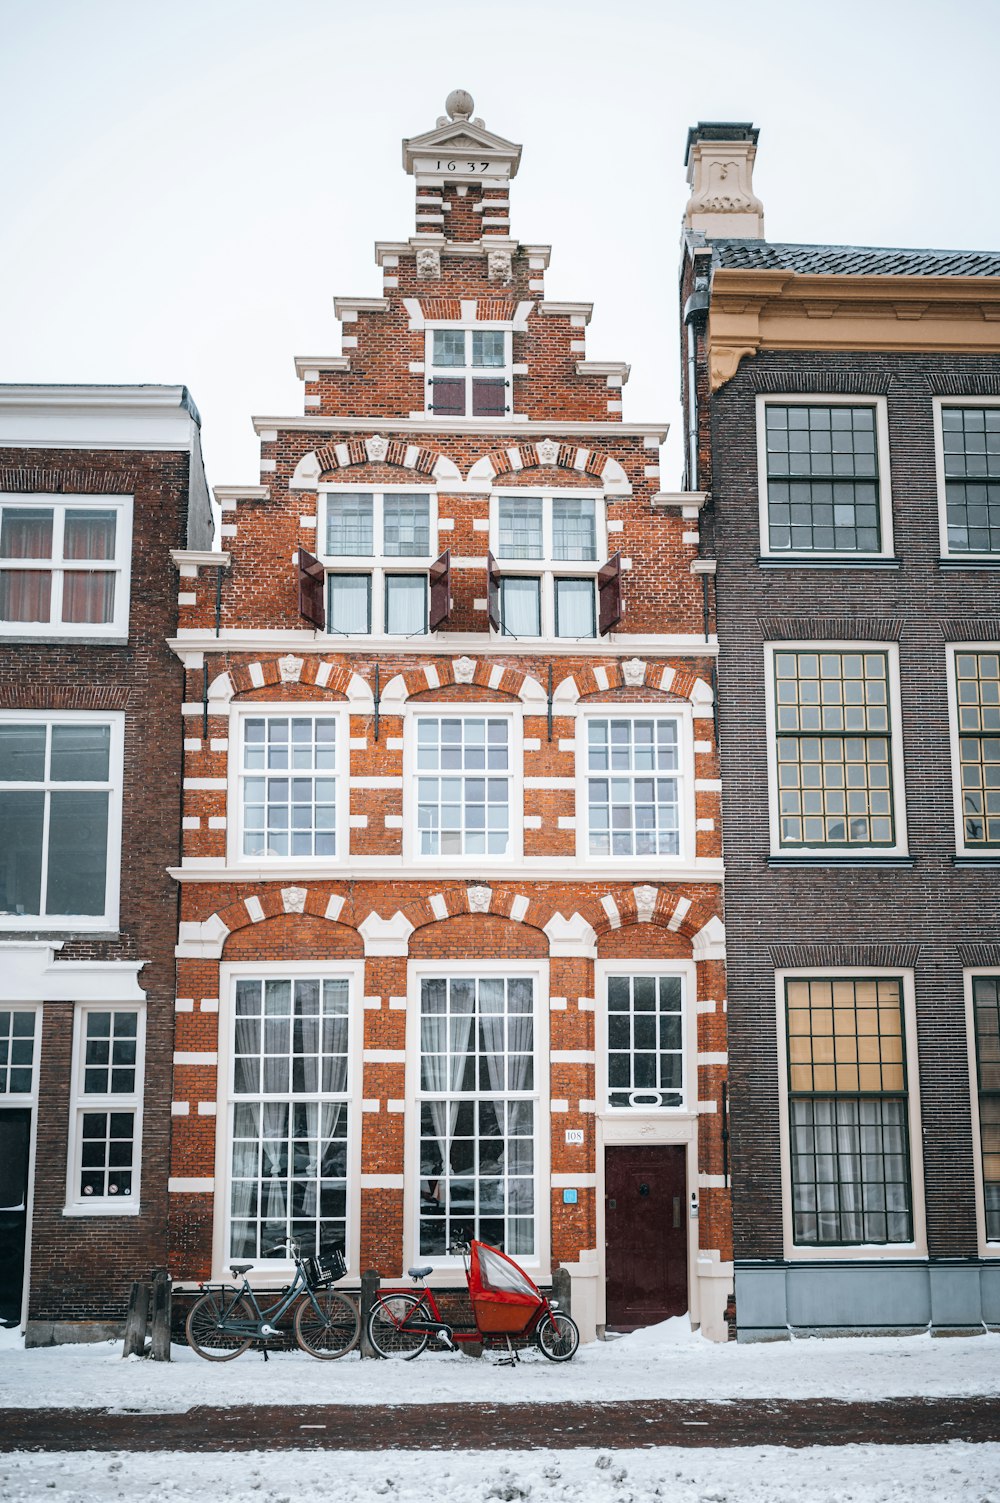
(645, 1222)
(15, 1137)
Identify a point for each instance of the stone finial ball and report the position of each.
(460, 104)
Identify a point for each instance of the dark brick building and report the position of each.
(98, 484)
(843, 410)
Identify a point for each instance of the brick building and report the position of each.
(451, 954)
(843, 409)
(97, 485)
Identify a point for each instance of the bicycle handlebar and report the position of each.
(289, 1243)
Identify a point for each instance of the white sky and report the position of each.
(186, 185)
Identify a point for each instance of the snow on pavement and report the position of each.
(668, 1361)
(952, 1473)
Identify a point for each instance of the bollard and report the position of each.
(160, 1317)
(135, 1320)
(562, 1289)
(369, 1284)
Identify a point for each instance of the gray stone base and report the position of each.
(776, 1300)
(71, 1332)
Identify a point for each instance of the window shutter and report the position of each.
(609, 589)
(312, 587)
(493, 591)
(489, 398)
(447, 396)
(440, 581)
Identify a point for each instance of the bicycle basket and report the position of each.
(326, 1268)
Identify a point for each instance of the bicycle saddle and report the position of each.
(421, 1273)
(237, 1268)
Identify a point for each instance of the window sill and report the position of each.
(17, 923)
(105, 1208)
(987, 862)
(826, 561)
(64, 639)
(956, 561)
(819, 858)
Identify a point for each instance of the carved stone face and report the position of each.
(428, 262)
(500, 266)
(377, 447)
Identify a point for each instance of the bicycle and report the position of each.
(505, 1303)
(225, 1322)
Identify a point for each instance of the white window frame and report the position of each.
(376, 566)
(938, 404)
(987, 1249)
(55, 630)
(80, 1102)
(897, 765)
(30, 1096)
(860, 1251)
(952, 650)
(418, 971)
(469, 372)
(59, 922)
(681, 713)
(546, 568)
(477, 710)
(686, 972)
(278, 1271)
(826, 399)
(286, 709)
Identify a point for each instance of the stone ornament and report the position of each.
(500, 266)
(290, 669)
(464, 670)
(428, 261)
(376, 447)
(634, 673)
(460, 104)
(548, 452)
(645, 903)
(479, 899)
(294, 899)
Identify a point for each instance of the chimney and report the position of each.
(719, 161)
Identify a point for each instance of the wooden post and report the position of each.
(369, 1284)
(135, 1320)
(562, 1289)
(161, 1315)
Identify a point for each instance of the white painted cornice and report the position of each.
(199, 556)
(240, 493)
(288, 639)
(379, 869)
(306, 363)
(457, 248)
(567, 310)
(604, 368)
(342, 305)
(99, 417)
(547, 428)
(32, 973)
(693, 499)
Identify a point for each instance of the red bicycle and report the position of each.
(505, 1303)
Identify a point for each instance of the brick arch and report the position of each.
(243, 678)
(462, 899)
(445, 672)
(430, 463)
(625, 904)
(634, 673)
(272, 900)
(602, 468)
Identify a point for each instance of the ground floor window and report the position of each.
(106, 1111)
(17, 1051)
(847, 1110)
(477, 1112)
(986, 1013)
(289, 1114)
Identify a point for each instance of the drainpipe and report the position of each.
(695, 307)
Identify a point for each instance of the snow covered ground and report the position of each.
(661, 1362)
(953, 1473)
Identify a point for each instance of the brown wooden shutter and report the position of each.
(609, 590)
(448, 396)
(489, 398)
(312, 590)
(439, 575)
(493, 591)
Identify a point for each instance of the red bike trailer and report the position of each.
(504, 1300)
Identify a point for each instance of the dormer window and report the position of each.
(469, 372)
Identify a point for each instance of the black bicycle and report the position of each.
(225, 1322)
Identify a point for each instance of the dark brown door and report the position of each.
(15, 1136)
(645, 1222)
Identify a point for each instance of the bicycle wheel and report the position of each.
(557, 1336)
(384, 1319)
(206, 1334)
(334, 1331)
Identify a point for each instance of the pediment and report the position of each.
(462, 136)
